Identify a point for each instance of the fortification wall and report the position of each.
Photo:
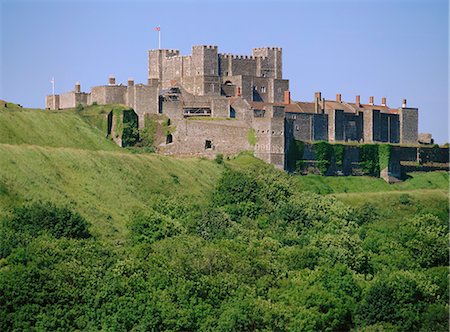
(320, 127)
(52, 102)
(143, 99)
(209, 138)
(113, 94)
(67, 100)
(408, 125)
(220, 108)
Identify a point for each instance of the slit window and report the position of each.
(208, 145)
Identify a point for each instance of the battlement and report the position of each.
(212, 47)
(267, 48)
(234, 56)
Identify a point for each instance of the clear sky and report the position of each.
(387, 48)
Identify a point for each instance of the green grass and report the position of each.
(105, 187)
(54, 128)
(359, 184)
(64, 157)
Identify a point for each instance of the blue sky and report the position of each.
(387, 48)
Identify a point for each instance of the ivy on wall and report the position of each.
(251, 136)
(384, 155)
(295, 155)
(369, 159)
(324, 155)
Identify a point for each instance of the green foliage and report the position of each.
(130, 133)
(324, 154)
(188, 245)
(294, 155)
(339, 153)
(369, 159)
(58, 221)
(79, 108)
(147, 134)
(151, 226)
(384, 154)
(251, 136)
(219, 158)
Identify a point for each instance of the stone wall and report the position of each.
(52, 102)
(408, 125)
(208, 138)
(67, 100)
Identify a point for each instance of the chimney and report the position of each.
(383, 101)
(323, 105)
(77, 87)
(371, 100)
(287, 97)
(111, 80)
(238, 91)
(358, 100)
(338, 97)
(404, 103)
(130, 82)
(317, 95)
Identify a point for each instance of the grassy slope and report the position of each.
(51, 128)
(105, 187)
(61, 156)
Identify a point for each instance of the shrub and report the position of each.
(219, 159)
(151, 226)
(40, 217)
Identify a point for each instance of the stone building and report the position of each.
(224, 103)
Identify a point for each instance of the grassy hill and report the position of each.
(64, 157)
(192, 244)
(66, 128)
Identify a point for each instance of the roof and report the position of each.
(292, 107)
(309, 107)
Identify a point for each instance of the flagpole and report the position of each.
(159, 37)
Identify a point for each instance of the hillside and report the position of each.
(94, 237)
(66, 128)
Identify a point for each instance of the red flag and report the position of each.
(158, 28)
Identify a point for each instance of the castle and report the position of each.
(223, 103)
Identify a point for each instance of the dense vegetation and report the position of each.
(96, 240)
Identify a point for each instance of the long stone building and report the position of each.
(223, 103)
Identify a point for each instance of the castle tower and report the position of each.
(156, 62)
(269, 63)
(205, 68)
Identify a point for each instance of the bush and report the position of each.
(40, 217)
(219, 159)
(151, 226)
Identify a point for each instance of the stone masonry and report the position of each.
(225, 103)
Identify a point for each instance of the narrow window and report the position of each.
(296, 128)
(169, 139)
(208, 145)
(263, 89)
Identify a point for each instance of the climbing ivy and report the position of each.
(295, 155)
(369, 159)
(324, 154)
(339, 154)
(251, 136)
(384, 155)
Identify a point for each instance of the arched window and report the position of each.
(169, 139)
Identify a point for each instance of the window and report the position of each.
(295, 117)
(296, 128)
(232, 113)
(169, 139)
(259, 113)
(263, 89)
(212, 71)
(208, 145)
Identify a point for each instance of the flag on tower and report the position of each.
(157, 28)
